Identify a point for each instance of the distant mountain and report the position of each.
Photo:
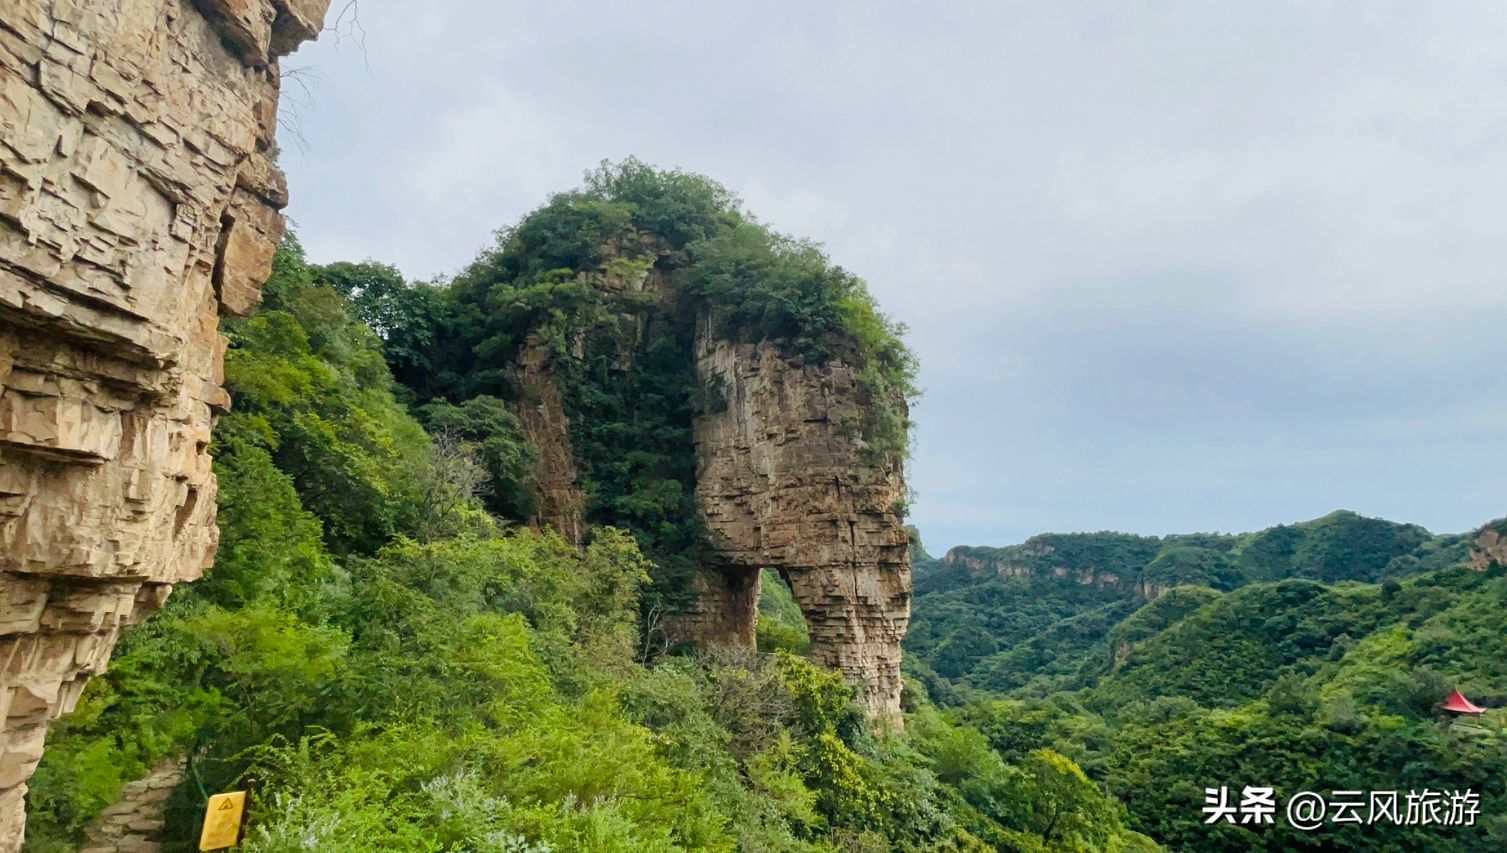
(1001, 617)
(1305, 656)
(1339, 546)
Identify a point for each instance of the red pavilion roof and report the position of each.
(1457, 702)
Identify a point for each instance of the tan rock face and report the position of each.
(1085, 576)
(1489, 547)
(132, 823)
(559, 501)
(138, 202)
(782, 483)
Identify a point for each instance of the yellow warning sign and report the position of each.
(222, 821)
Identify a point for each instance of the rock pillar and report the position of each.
(782, 483)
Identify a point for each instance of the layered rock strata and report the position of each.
(138, 203)
(782, 483)
(134, 822)
(558, 500)
(998, 563)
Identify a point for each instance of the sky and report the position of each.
(1168, 266)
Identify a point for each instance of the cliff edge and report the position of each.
(138, 203)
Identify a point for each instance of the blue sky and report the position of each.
(1169, 266)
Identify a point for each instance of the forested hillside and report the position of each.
(998, 617)
(397, 664)
(1287, 665)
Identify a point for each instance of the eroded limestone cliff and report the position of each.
(783, 477)
(1016, 562)
(1489, 547)
(558, 500)
(783, 483)
(138, 203)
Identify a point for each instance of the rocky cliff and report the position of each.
(1039, 559)
(782, 483)
(558, 499)
(782, 476)
(138, 203)
(1489, 546)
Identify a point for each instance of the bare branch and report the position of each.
(301, 97)
(347, 26)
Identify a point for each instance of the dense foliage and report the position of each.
(399, 669)
(1314, 682)
(999, 618)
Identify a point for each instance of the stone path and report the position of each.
(132, 823)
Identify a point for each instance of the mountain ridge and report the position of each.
(1322, 668)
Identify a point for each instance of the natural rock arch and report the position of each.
(782, 483)
(784, 480)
